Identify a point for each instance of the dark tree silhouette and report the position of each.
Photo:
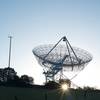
(9, 77)
(52, 85)
(27, 79)
(7, 74)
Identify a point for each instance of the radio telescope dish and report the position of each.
(59, 57)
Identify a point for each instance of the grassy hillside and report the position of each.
(18, 93)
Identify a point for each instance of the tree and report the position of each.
(52, 85)
(27, 79)
(8, 74)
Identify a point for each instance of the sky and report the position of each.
(35, 22)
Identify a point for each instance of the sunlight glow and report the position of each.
(64, 87)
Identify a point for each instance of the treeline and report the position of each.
(9, 77)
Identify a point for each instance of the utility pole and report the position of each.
(9, 59)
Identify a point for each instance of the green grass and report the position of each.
(18, 93)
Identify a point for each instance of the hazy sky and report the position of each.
(35, 22)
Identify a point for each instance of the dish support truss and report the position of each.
(54, 69)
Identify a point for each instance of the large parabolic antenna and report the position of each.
(60, 57)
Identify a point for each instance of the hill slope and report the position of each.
(39, 93)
